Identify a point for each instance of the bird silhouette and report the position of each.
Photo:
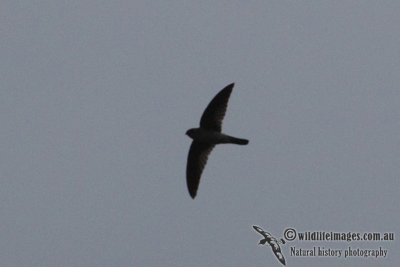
(207, 136)
(273, 242)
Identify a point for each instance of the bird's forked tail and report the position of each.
(239, 141)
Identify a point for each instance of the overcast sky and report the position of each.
(96, 97)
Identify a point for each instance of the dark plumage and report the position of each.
(206, 137)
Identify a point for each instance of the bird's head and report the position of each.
(190, 132)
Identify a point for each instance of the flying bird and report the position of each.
(273, 242)
(206, 137)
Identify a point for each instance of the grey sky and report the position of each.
(96, 97)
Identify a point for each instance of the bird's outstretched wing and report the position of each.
(197, 159)
(214, 113)
(261, 231)
(277, 251)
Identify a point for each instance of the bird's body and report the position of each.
(213, 137)
(207, 136)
